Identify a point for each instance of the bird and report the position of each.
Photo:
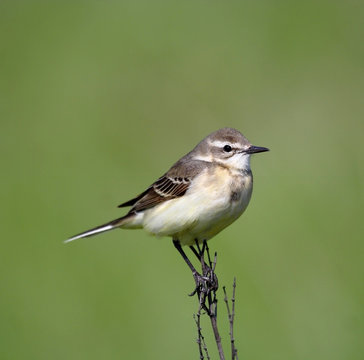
(199, 196)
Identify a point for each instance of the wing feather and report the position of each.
(171, 185)
(160, 191)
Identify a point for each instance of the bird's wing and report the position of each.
(163, 189)
(173, 184)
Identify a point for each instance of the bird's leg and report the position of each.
(212, 275)
(208, 270)
(198, 247)
(208, 252)
(195, 252)
(208, 275)
(199, 279)
(178, 246)
(204, 266)
(199, 253)
(200, 256)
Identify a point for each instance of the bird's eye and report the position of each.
(227, 148)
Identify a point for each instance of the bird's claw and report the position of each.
(205, 284)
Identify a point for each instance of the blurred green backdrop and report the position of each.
(98, 99)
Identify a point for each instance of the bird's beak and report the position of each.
(256, 149)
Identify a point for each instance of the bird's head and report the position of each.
(227, 146)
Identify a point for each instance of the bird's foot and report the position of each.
(201, 282)
(205, 283)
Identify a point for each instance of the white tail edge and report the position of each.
(91, 232)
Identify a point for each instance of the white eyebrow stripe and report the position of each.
(219, 143)
(203, 158)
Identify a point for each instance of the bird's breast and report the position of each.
(221, 198)
(214, 200)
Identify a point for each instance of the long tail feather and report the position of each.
(97, 230)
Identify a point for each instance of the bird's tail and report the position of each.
(100, 229)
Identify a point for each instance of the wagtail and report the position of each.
(200, 195)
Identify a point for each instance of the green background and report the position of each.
(98, 99)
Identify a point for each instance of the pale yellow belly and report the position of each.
(206, 209)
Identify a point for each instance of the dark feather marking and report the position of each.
(162, 190)
(173, 184)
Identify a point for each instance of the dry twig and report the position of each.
(205, 289)
(231, 315)
(200, 340)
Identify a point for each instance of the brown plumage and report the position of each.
(171, 185)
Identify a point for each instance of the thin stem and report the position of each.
(201, 340)
(217, 335)
(233, 348)
(206, 288)
(231, 315)
(213, 301)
